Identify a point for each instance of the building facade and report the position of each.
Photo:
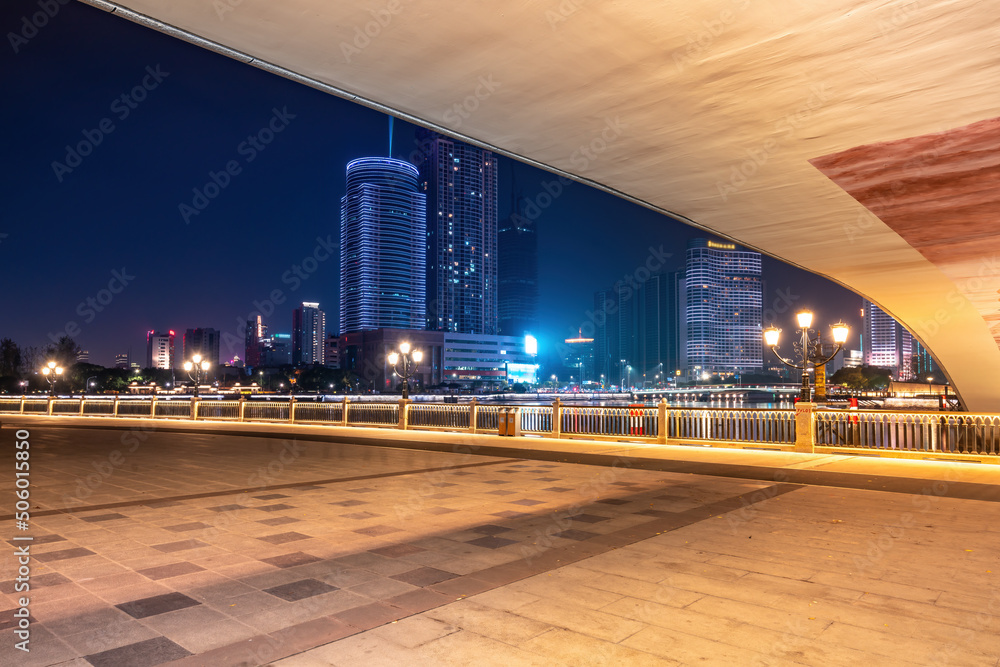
(658, 327)
(579, 358)
(308, 334)
(885, 343)
(723, 298)
(255, 334)
(460, 182)
(382, 247)
(160, 349)
(204, 342)
(517, 275)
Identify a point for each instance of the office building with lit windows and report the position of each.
(460, 182)
(885, 343)
(723, 297)
(308, 334)
(383, 240)
(203, 341)
(160, 349)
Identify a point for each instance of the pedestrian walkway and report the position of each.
(228, 544)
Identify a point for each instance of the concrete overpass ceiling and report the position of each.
(857, 139)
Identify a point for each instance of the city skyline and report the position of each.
(226, 175)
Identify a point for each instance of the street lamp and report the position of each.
(930, 387)
(808, 349)
(410, 360)
(91, 385)
(195, 368)
(52, 372)
(24, 387)
(628, 368)
(621, 375)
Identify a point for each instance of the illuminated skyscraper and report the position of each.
(308, 334)
(461, 243)
(517, 273)
(160, 349)
(723, 296)
(382, 248)
(885, 343)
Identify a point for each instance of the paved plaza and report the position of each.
(204, 544)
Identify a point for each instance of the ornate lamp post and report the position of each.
(195, 368)
(808, 349)
(410, 360)
(51, 371)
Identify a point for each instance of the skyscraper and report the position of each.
(517, 271)
(461, 186)
(160, 349)
(615, 343)
(382, 247)
(256, 330)
(308, 334)
(885, 343)
(723, 299)
(659, 326)
(204, 342)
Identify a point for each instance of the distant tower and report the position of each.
(382, 241)
(308, 334)
(885, 343)
(461, 186)
(517, 254)
(723, 303)
(204, 342)
(160, 349)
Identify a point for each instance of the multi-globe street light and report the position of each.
(195, 369)
(808, 349)
(52, 371)
(410, 359)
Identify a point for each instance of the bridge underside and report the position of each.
(858, 139)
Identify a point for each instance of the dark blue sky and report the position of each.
(159, 117)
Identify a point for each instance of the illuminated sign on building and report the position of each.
(721, 246)
(522, 373)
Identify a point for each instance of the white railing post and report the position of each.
(52, 402)
(243, 408)
(82, 401)
(556, 418)
(291, 409)
(114, 411)
(23, 399)
(473, 418)
(343, 417)
(805, 427)
(194, 407)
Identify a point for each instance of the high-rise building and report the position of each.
(723, 299)
(885, 343)
(659, 327)
(461, 243)
(580, 357)
(276, 350)
(332, 354)
(204, 342)
(517, 271)
(308, 334)
(382, 247)
(160, 349)
(255, 334)
(615, 341)
(122, 361)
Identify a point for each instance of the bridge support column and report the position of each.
(805, 429)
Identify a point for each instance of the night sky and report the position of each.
(156, 117)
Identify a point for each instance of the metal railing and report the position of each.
(925, 432)
(373, 414)
(732, 425)
(450, 416)
(626, 422)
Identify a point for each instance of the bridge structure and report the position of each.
(857, 139)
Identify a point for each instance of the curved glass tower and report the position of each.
(382, 247)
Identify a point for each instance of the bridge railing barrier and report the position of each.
(807, 428)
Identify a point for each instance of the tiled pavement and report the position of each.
(325, 554)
